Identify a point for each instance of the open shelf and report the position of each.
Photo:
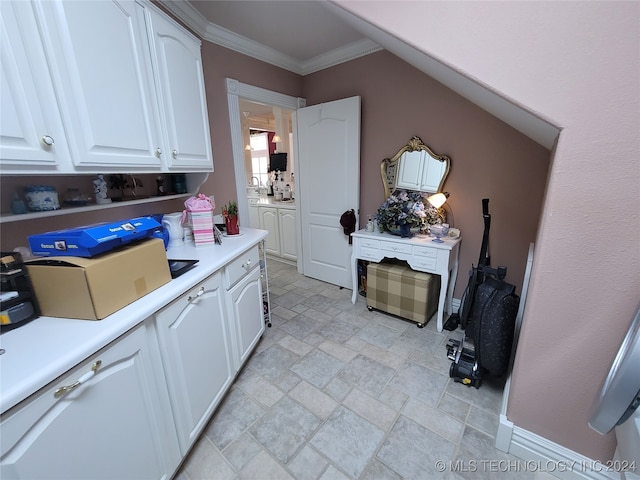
(10, 217)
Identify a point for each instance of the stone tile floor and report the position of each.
(334, 392)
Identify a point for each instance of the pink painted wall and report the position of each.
(585, 281)
(489, 159)
(578, 64)
(220, 63)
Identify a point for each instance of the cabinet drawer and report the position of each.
(425, 252)
(424, 264)
(365, 242)
(396, 247)
(370, 254)
(242, 265)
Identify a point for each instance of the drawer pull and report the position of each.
(67, 388)
(247, 265)
(196, 296)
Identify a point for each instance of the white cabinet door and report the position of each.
(178, 67)
(246, 303)
(419, 171)
(195, 345)
(269, 222)
(31, 132)
(287, 224)
(254, 215)
(410, 170)
(101, 62)
(103, 420)
(432, 174)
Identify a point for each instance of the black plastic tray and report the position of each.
(178, 267)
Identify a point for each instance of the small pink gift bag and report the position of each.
(200, 211)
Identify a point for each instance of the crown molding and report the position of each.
(340, 55)
(213, 33)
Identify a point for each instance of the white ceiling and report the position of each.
(302, 36)
(295, 28)
(305, 36)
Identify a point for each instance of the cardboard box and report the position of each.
(91, 240)
(93, 288)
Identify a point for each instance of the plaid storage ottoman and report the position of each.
(396, 289)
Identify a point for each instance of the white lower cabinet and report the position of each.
(287, 230)
(134, 409)
(281, 225)
(246, 304)
(254, 215)
(195, 342)
(269, 222)
(107, 418)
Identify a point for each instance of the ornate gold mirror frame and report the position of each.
(390, 167)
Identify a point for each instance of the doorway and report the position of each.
(235, 92)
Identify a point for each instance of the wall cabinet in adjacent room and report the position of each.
(281, 224)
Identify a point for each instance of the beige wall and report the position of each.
(578, 64)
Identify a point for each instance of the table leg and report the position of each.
(354, 277)
(444, 282)
(452, 284)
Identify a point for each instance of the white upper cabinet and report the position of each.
(180, 82)
(31, 132)
(128, 83)
(411, 170)
(101, 64)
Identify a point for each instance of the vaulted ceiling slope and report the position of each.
(307, 36)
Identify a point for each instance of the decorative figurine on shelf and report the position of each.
(100, 190)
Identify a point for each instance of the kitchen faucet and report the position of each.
(257, 184)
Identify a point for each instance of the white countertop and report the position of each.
(45, 348)
(266, 201)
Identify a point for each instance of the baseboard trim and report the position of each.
(542, 455)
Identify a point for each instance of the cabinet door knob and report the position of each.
(174, 153)
(67, 388)
(196, 296)
(47, 140)
(158, 151)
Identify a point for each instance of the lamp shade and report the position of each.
(276, 139)
(438, 199)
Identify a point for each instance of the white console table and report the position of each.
(420, 252)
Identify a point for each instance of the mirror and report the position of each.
(415, 167)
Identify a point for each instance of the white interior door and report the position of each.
(328, 179)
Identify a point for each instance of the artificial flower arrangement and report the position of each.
(404, 213)
(230, 209)
(230, 214)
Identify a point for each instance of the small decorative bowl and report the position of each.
(439, 230)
